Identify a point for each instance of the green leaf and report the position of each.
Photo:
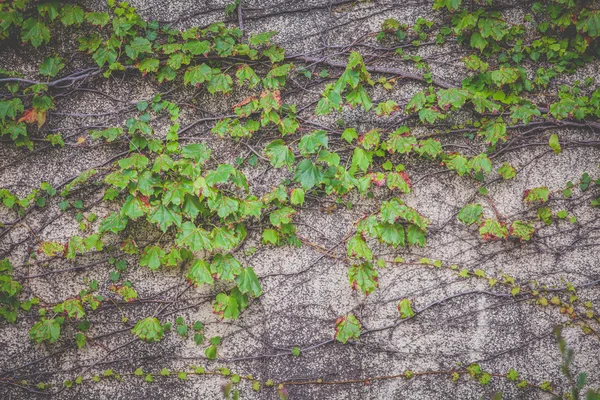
(370, 140)
(172, 258)
(279, 154)
(177, 59)
(200, 273)
(52, 249)
(148, 65)
(391, 210)
(194, 238)
(357, 247)
(405, 309)
(524, 112)
(392, 234)
(492, 229)
(494, 132)
(349, 135)
(148, 329)
(540, 194)
(429, 147)
(51, 66)
(554, 144)
(308, 174)
(136, 161)
(332, 159)
(90, 43)
(223, 205)
(197, 47)
(544, 214)
(451, 5)
(166, 74)
(589, 22)
(226, 307)
(71, 15)
(93, 242)
(507, 171)
(470, 214)
(347, 328)
(105, 54)
(34, 31)
(361, 159)
(416, 235)
(198, 152)
(452, 98)
(483, 104)
(110, 134)
(281, 216)
(522, 230)
(165, 216)
(364, 277)
(261, 38)
(245, 73)
(48, 9)
(251, 207)
(75, 246)
(386, 108)
(80, 340)
(46, 329)
(219, 83)
(11, 108)
(71, 307)
(297, 196)
(492, 27)
(113, 223)
(224, 238)
(133, 207)
(430, 115)
(485, 378)
(211, 352)
(275, 54)
(562, 214)
(270, 236)
(480, 162)
(512, 375)
(247, 282)
(309, 144)
(458, 163)
(359, 96)
(504, 76)
(220, 175)
(226, 267)
(136, 46)
(151, 257)
(197, 74)
(99, 19)
(288, 126)
(417, 102)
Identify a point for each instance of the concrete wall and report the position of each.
(304, 292)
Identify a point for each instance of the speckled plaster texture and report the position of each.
(305, 292)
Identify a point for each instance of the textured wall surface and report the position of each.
(463, 320)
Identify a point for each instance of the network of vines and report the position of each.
(200, 212)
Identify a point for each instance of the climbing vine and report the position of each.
(200, 212)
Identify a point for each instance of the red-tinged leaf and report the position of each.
(363, 277)
(347, 328)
